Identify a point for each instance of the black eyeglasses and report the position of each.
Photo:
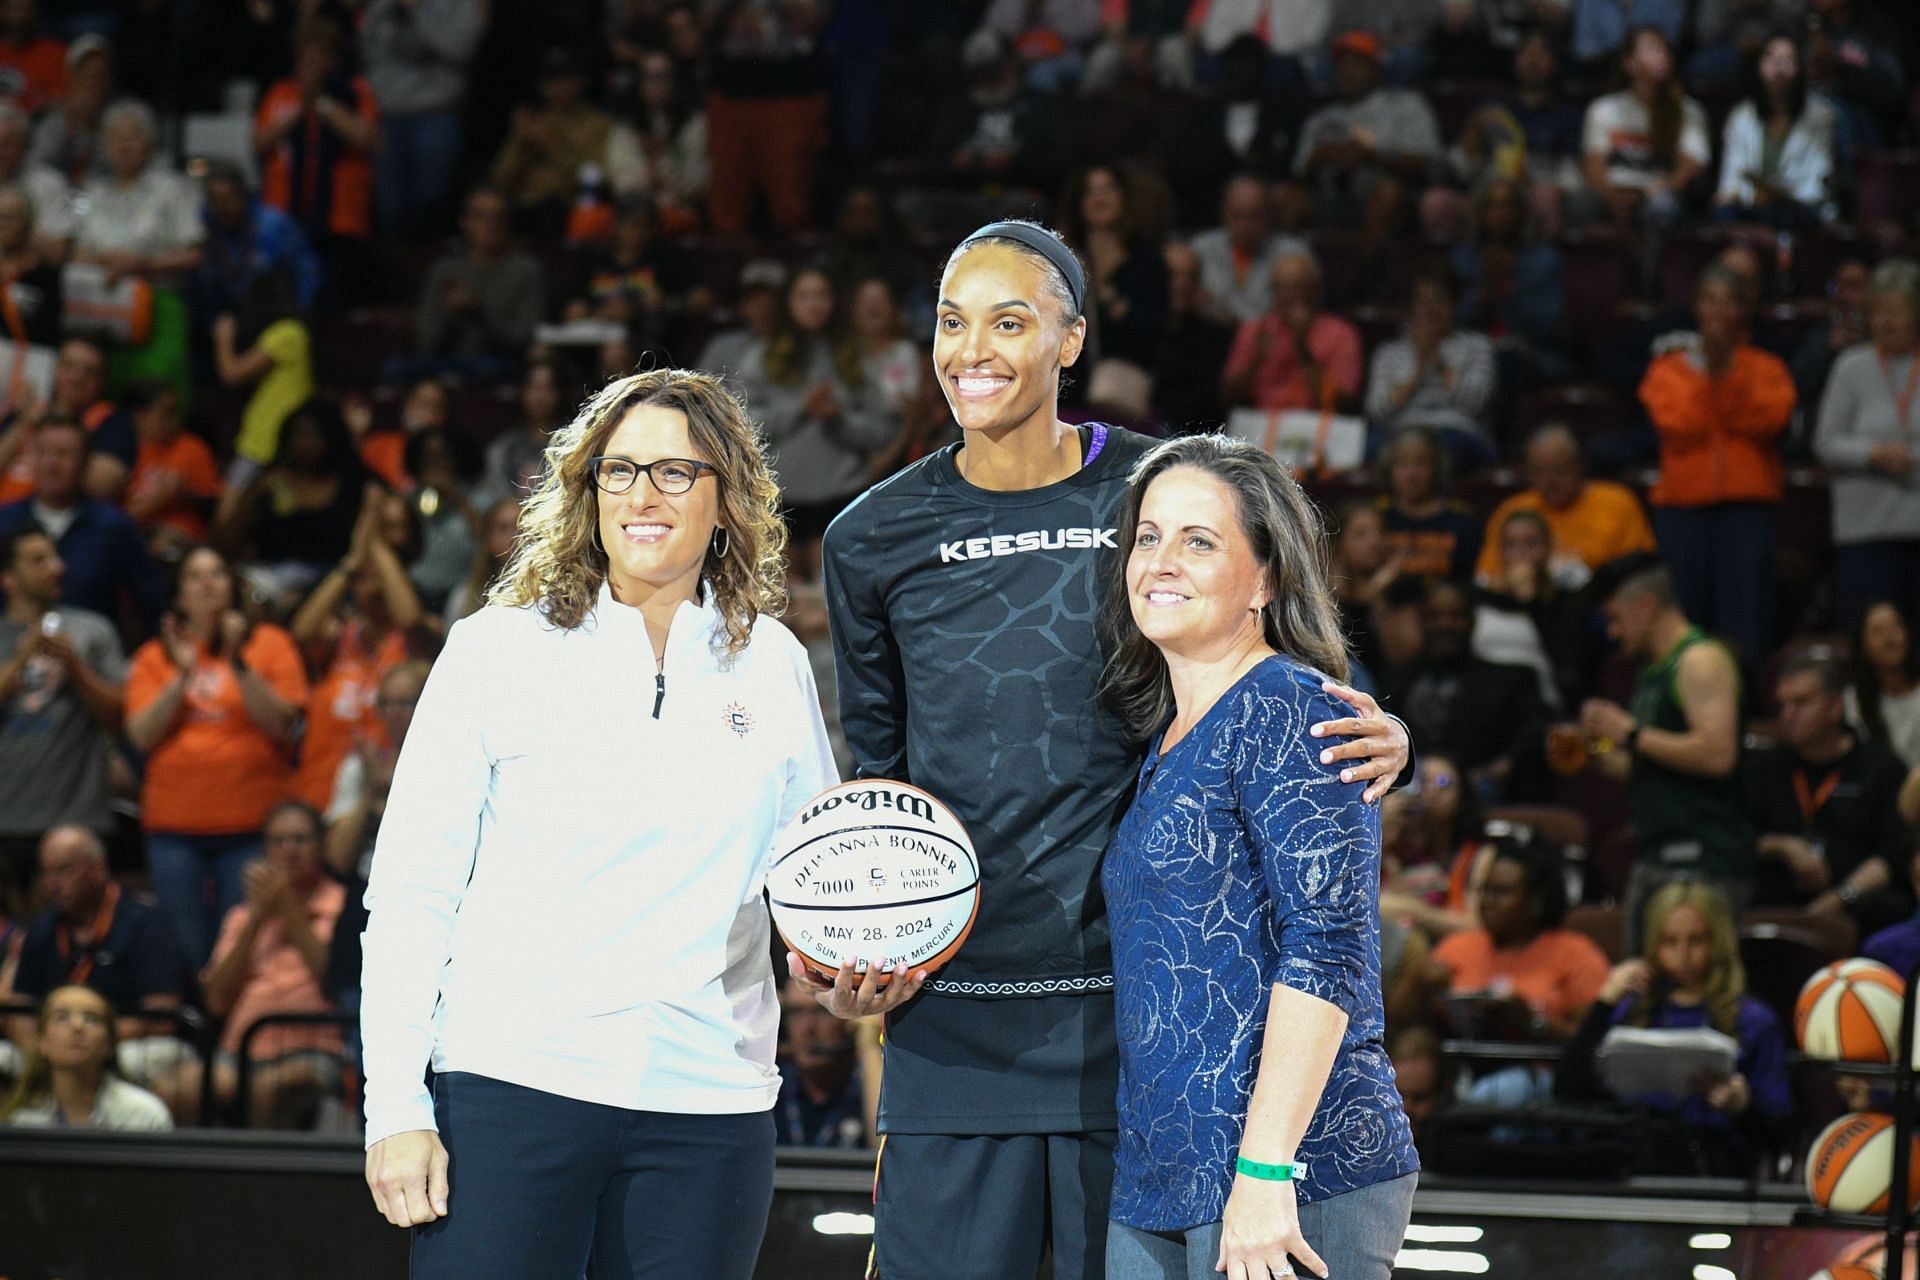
(669, 475)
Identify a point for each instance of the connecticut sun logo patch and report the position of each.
(739, 719)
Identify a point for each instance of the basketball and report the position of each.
(1850, 1167)
(874, 871)
(1866, 1259)
(1850, 1011)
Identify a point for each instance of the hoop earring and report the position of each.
(724, 541)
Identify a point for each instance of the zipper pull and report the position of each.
(659, 692)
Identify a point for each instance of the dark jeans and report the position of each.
(1868, 571)
(416, 172)
(197, 879)
(541, 1187)
(1722, 562)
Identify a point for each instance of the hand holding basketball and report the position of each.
(407, 1174)
(850, 995)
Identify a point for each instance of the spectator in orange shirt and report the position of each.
(270, 958)
(1720, 405)
(1590, 521)
(315, 133)
(33, 65)
(1540, 976)
(353, 630)
(213, 703)
(175, 479)
(1297, 356)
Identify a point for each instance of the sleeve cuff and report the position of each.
(400, 1115)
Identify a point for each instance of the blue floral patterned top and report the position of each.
(1245, 862)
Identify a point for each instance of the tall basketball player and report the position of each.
(964, 594)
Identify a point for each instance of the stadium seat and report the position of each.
(1779, 959)
(1837, 932)
(1597, 270)
(1818, 254)
(1605, 925)
(1887, 185)
(1682, 259)
(1589, 408)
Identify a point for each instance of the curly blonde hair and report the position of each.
(557, 561)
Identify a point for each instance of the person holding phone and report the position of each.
(214, 704)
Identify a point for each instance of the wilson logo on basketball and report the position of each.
(738, 718)
(870, 799)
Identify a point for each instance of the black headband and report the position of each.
(1047, 246)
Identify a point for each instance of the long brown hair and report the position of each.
(558, 564)
(1288, 537)
(36, 1080)
(788, 348)
(1666, 118)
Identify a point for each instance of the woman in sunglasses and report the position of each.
(568, 1010)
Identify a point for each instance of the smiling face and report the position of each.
(656, 542)
(1001, 339)
(1194, 584)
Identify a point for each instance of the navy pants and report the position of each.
(1722, 559)
(541, 1187)
(988, 1207)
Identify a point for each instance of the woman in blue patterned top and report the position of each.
(1258, 1116)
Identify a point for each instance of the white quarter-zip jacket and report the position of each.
(566, 889)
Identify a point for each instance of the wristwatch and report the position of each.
(1633, 739)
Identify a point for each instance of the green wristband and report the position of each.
(1271, 1172)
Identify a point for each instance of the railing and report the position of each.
(244, 1067)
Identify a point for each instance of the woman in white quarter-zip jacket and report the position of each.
(568, 1007)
